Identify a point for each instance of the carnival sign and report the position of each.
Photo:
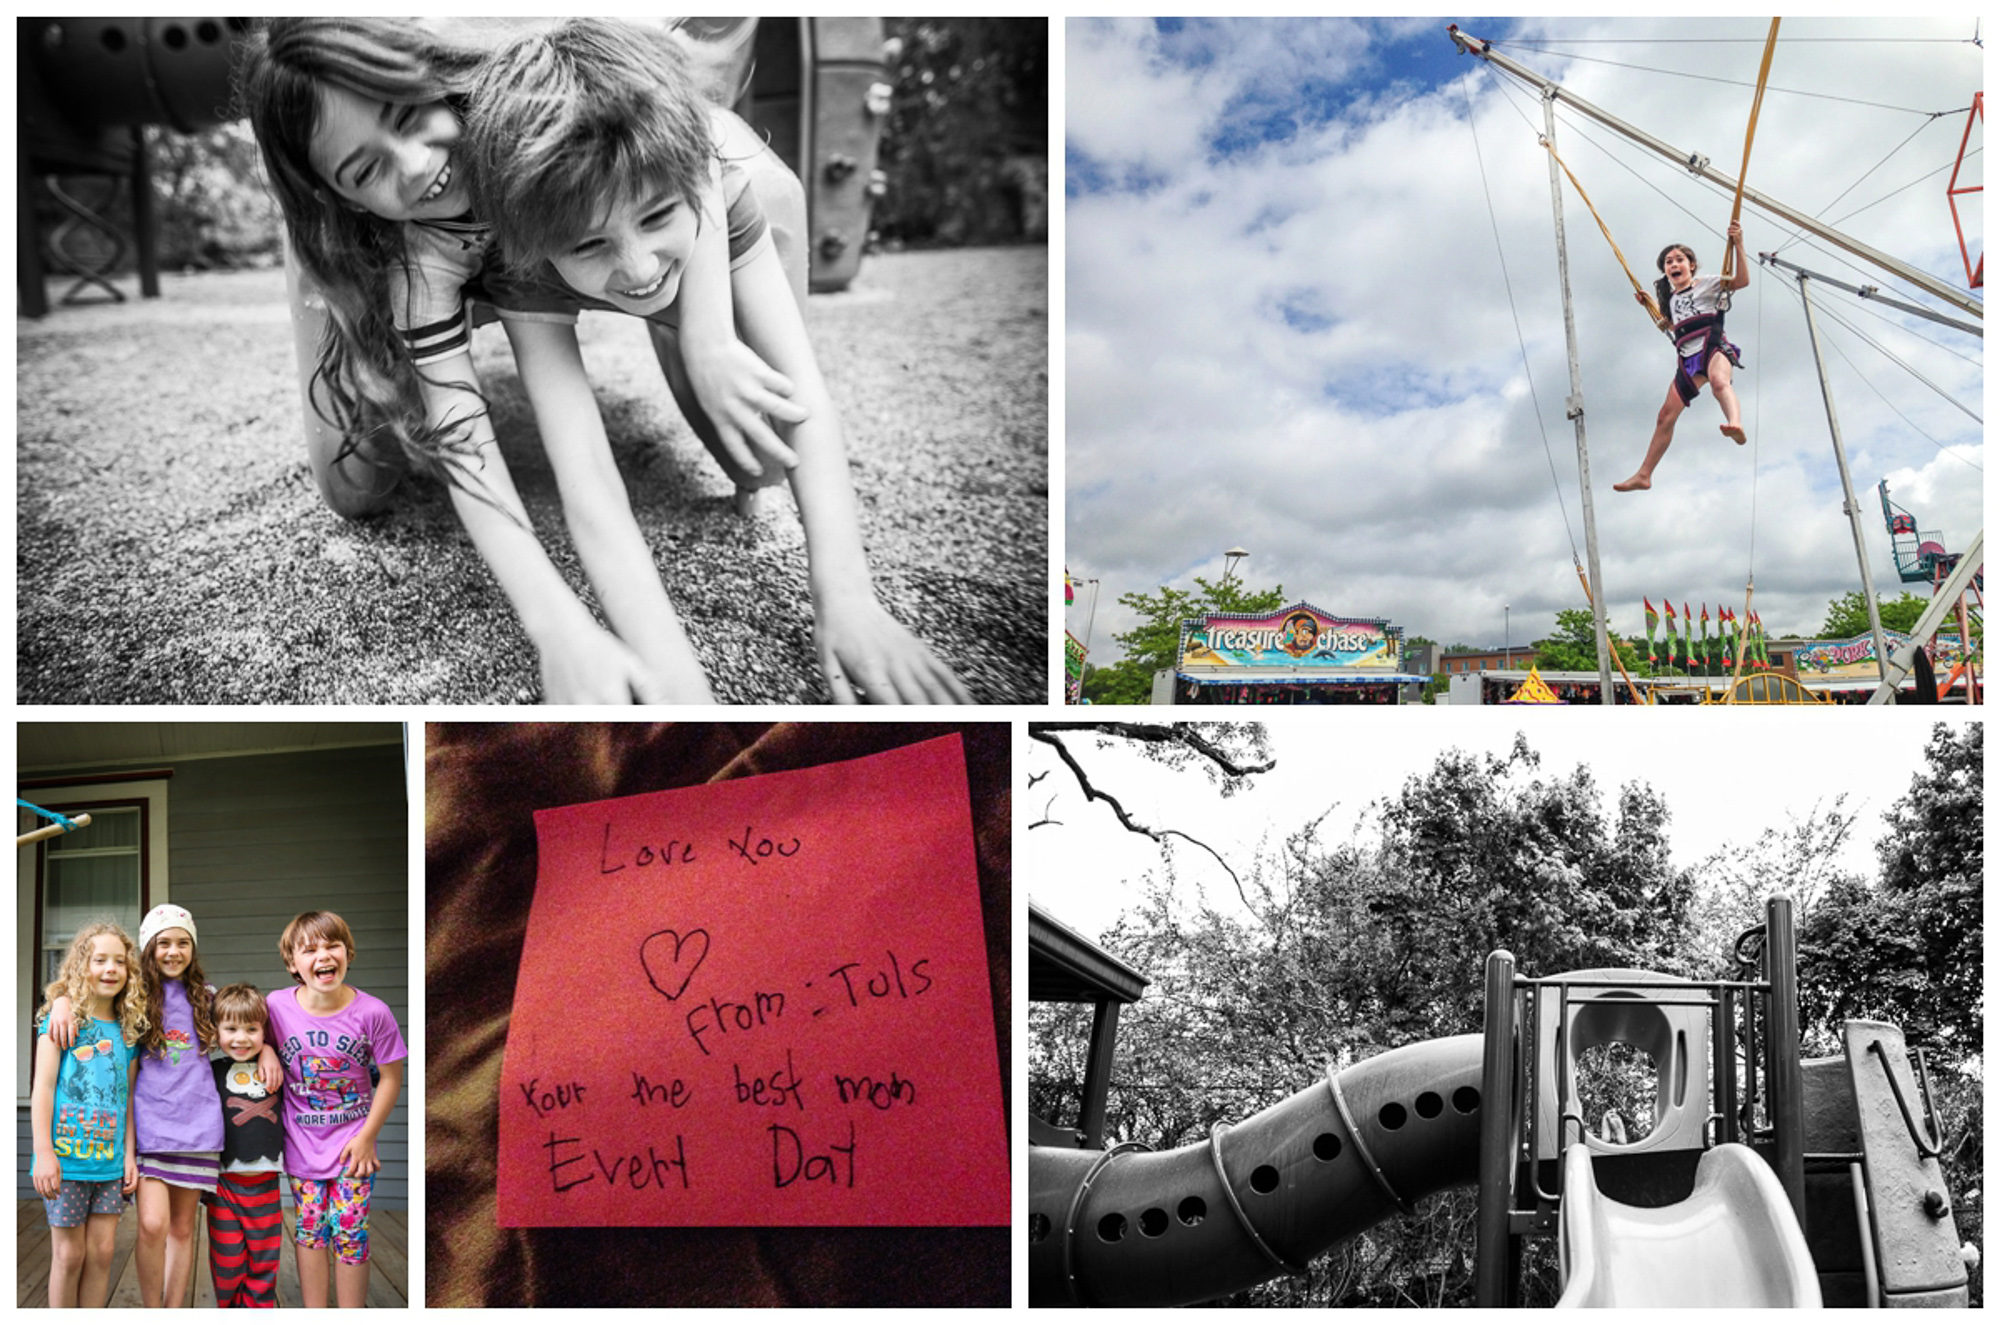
(1849, 658)
(1297, 636)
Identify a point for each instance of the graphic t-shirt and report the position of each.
(174, 1109)
(91, 1102)
(328, 1090)
(253, 1139)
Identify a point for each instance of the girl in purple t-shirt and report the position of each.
(176, 1116)
(329, 1036)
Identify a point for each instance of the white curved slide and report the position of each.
(1733, 1242)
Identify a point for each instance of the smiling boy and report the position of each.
(245, 1222)
(329, 1035)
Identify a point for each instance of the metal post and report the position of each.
(1849, 505)
(1724, 1053)
(1874, 293)
(1496, 1134)
(1697, 164)
(1788, 1109)
(145, 229)
(1574, 408)
(1097, 1072)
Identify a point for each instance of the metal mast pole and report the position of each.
(1697, 164)
(1852, 507)
(1574, 408)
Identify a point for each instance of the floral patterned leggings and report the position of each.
(333, 1212)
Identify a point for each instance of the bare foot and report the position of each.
(1734, 432)
(1637, 483)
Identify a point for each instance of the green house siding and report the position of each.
(255, 839)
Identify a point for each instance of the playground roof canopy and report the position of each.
(1066, 967)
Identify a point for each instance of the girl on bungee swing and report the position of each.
(1695, 306)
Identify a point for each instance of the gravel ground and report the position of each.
(172, 548)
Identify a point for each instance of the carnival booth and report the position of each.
(1300, 654)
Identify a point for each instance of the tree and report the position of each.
(1154, 644)
(1573, 648)
(1228, 753)
(1847, 615)
(1800, 858)
(1912, 950)
(1126, 681)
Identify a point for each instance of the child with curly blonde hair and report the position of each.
(80, 1107)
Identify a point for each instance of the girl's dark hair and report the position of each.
(364, 383)
(1663, 289)
(568, 121)
(154, 1037)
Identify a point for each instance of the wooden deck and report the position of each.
(388, 1244)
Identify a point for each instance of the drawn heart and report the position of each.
(670, 959)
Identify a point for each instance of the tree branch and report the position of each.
(1042, 732)
(1155, 733)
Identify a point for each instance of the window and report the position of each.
(96, 872)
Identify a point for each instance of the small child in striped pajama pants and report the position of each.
(245, 1223)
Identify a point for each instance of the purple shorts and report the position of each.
(1696, 365)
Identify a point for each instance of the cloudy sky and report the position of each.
(1086, 870)
(1288, 328)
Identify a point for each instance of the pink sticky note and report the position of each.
(761, 1001)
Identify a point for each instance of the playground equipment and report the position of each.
(816, 88)
(1758, 1179)
(58, 825)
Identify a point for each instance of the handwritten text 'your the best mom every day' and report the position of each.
(776, 1055)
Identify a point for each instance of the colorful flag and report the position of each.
(1652, 624)
(1673, 634)
(1728, 627)
(1069, 588)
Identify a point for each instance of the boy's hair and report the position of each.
(128, 1005)
(241, 1003)
(567, 122)
(364, 383)
(314, 925)
(153, 982)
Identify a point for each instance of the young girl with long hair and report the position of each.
(80, 1109)
(176, 1114)
(1703, 356)
(360, 122)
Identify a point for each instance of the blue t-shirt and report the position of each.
(92, 1102)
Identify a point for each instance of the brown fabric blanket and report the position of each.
(482, 787)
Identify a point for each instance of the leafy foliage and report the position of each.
(965, 148)
(1912, 950)
(1153, 644)
(213, 209)
(1847, 615)
(1573, 648)
(1127, 681)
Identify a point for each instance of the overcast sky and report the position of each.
(1722, 785)
(1287, 325)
